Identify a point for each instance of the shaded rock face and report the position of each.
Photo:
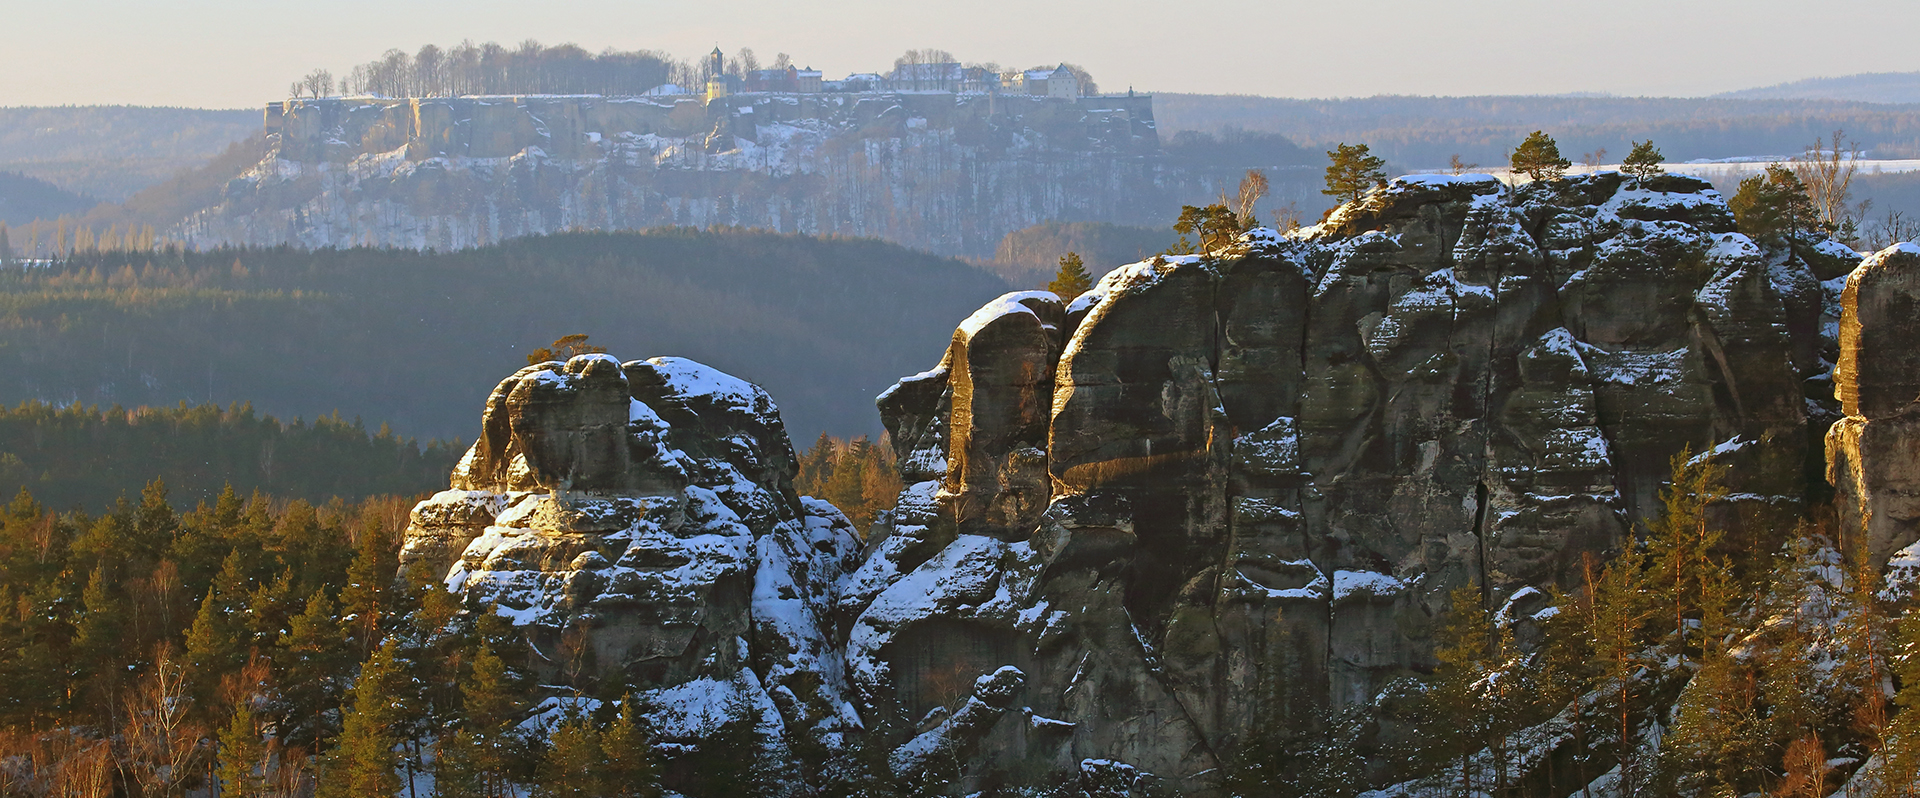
(1236, 489)
(1873, 453)
(637, 524)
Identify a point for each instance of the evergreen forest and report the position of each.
(417, 339)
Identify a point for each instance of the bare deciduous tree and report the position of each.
(1252, 188)
(1827, 170)
(159, 743)
(318, 83)
(1891, 229)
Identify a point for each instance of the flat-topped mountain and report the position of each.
(946, 171)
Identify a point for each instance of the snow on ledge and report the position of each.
(1004, 305)
(1348, 584)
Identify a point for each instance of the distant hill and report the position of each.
(24, 199)
(1869, 87)
(87, 457)
(1422, 132)
(419, 339)
(113, 151)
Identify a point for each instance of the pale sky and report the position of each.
(243, 53)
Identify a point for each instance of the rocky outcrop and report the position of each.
(1228, 490)
(1218, 494)
(1873, 453)
(952, 173)
(637, 524)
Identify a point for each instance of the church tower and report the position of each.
(716, 75)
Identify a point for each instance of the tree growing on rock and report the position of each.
(1252, 187)
(1538, 157)
(1072, 279)
(564, 349)
(1353, 172)
(1214, 226)
(1827, 169)
(1644, 161)
(1772, 205)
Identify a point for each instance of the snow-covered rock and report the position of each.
(1269, 466)
(637, 524)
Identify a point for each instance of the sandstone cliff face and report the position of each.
(1236, 488)
(637, 523)
(1873, 453)
(940, 171)
(1216, 493)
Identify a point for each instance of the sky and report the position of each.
(244, 53)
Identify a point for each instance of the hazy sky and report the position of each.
(243, 53)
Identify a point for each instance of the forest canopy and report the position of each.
(418, 339)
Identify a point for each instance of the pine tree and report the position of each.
(363, 762)
(216, 646)
(564, 349)
(309, 660)
(99, 643)
(1616, 614)
(1213, 226)
(1900, 753)
(1643, 163)
(154, 522)
(845, 487)
(880, 484)
(573, 761)
(730, 760)
(629, 769)
(1773, 205)
(456, 767)
(1464, 646)
(367, 598)
(1683, 541)
(1716, 735)
(1353, 172)
(816, 467)
(492, 707)
(1072, 279)
(1538, 157)
(242, 755)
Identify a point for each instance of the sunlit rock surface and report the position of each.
(1267, 466)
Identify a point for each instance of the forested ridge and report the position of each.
(417, 339)
(87, 456)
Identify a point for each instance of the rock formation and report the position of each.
(1234, 489)
(1218, 493)
(951, 173)
(1873, 454)
(637, 523)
